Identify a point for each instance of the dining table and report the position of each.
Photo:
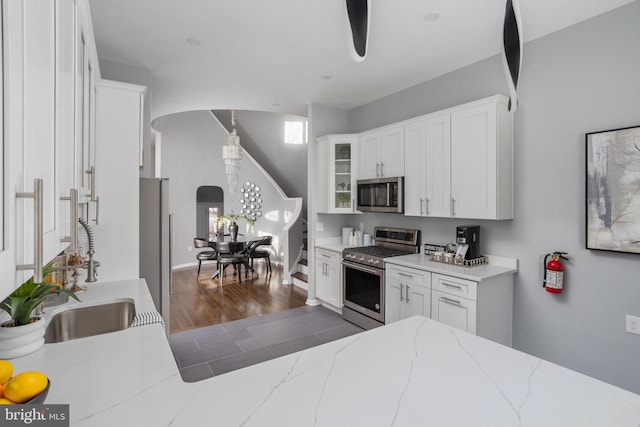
(227, 244)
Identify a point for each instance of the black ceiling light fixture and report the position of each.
(512, 49)
(358, 12)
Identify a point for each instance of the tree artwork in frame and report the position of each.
(613, 190)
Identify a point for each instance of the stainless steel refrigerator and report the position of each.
(155, 242)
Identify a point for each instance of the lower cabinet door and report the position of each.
(393, 305)
(418, 300)
(454, 311)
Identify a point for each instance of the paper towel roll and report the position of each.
(360, 237)
(346, 232)
(366, 239)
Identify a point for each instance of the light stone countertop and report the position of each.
(496, 266)
(412, 372)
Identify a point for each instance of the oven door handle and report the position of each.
(361, 267)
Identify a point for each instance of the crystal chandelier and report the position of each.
(232, 154)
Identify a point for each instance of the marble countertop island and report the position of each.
(413, 372)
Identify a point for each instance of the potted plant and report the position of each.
(24, 333)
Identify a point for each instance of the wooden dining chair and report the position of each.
(255, 252)
(209, 255)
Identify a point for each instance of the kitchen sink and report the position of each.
(86, 321)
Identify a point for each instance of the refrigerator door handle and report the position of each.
(170, 253)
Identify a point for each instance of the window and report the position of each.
(295, 132)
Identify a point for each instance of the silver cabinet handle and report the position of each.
(377, 166)
(449, 285)
(421, 206)
(406, 289)
(450, 301)
(401, 290)
(92, 174)
(326, 256)
(427, 203)
(170, 250)
(381, 168)
(405, 275)
(73, 218)
(37, 230)
(453, 207)
(92, 195)
(96, 219)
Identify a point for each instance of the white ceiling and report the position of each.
(280, 55)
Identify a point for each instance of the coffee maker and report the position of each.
(469, 235)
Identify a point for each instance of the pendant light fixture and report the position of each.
(232, 154)
(512, 49)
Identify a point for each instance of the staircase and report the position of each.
(301, 277)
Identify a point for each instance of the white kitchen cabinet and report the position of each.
(459, 162)
(329, 277)
(337, 172)
(407, 293)
(31, 124)
(65, 107)
(483, 308)
(119, 126)
(87, 76)
(382, 152)
(437, 165)
(41, 110)
(482, 160)
(415, 169)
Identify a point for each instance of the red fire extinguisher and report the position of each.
(554, 272)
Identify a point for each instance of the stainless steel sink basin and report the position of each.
(86, 321)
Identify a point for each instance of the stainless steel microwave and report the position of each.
(381, 194)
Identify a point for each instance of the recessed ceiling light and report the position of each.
(193, 41)
(326, 77)
(275, 104)
(432, 16)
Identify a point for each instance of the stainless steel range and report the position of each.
(363, 274)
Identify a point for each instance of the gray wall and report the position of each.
(126, 73)
(578, 80)
(192, 156)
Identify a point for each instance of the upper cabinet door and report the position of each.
(391, 151)
(369, 164)
(482, 161)
(414, 168)
(39, 126)
(382, 153)
(66, 25)
(337, 169)
(438, 166)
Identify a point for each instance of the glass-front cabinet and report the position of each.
(337, 172)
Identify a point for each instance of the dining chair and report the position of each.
(209, 255)
(254, 251)
(232, 253)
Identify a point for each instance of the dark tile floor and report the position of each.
(214, 350)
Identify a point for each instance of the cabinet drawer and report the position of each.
(455, 286)
(406, 274)
(327, 256)
(454, 311)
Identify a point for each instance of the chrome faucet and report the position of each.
(91, 265)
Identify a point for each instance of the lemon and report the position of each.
(4, 401)
(24, 386)
(6, 370)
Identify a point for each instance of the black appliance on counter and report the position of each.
(469, 235)
(363, 284)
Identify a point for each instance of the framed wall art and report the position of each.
(613, 190)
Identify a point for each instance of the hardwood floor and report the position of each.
(198, 302)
